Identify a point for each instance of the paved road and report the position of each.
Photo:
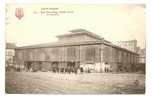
(93, 83)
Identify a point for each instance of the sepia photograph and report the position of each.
(75, 49)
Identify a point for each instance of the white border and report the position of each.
(149, 48)
(2, 47)
(76, 1)
(149, 38)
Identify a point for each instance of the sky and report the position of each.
(114, 22)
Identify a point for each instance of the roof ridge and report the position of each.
(79, 32)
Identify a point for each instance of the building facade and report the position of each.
(76, 50)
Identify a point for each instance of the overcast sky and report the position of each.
(113, 22)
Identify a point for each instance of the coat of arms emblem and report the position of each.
(19, 13)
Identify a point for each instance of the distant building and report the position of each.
(142, 56)
(10, 53)
(130, 45)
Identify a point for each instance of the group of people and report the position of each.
(106, 67)
(98, 67)
(87, 68)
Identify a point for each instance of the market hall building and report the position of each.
(77, 49)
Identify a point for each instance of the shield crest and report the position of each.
(19, 13)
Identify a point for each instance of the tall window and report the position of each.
(20, 55)
(90, 54)
(55, 51)
(71, 52)
(55, 54)
(120, 56)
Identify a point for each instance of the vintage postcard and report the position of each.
(75, 49)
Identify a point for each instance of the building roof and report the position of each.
(58, 44)
(77, 32)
